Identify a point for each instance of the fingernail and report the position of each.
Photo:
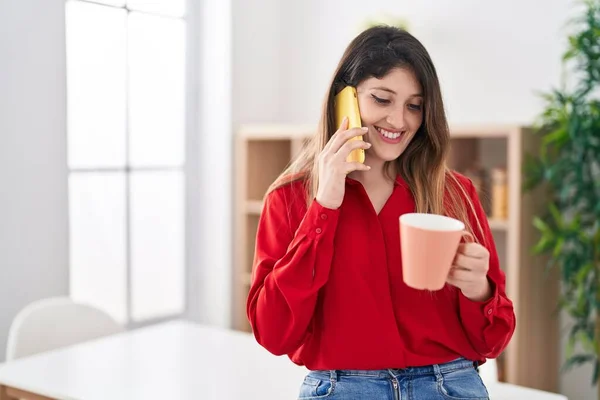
(364, 128)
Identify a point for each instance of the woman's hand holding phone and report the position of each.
(333, 166)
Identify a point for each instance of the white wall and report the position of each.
(491, 58)
(210, 162)
(33, 179)
(258, 40)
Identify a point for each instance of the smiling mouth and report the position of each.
(390, 136)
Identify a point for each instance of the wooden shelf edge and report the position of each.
(483, 131)
(254, 207)
(498, 224)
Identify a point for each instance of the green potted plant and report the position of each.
(567, 168)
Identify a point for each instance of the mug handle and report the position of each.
(469, 238)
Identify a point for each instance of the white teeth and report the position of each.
(388, 134)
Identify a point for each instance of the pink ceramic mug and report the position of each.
(428, 243)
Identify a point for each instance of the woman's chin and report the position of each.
(386, 154)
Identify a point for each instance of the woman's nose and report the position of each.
(396, 119)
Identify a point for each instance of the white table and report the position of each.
(176, 360)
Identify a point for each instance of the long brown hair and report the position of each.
(373, 53)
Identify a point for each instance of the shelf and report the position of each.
(498, 224)
(254, 207)
(265, 159)
(481, 131)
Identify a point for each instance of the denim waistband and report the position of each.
(435, 369)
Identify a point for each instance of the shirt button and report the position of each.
(318, 230)
(323, 216)
(489, 311)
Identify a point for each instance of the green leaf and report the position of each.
(533, 170)
(557, 138)
(583, 272)
(556, 214)
(575, 223)
(569, 54)
(587, 342)
(558, 247)
(541, 225)
(570, 346)
(577, 359)
(543, 245)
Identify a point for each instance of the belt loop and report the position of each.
(437, 372)
(333, 376)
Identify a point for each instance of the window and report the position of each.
(126, 65)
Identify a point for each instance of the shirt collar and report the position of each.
(399, 181)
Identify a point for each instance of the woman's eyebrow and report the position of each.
(386, 89)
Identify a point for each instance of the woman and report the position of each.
(327, 286)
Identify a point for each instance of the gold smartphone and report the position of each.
(346, 105)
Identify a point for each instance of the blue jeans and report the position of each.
(455, 380)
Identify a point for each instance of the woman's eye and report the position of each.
(380, 100)
(416, 107)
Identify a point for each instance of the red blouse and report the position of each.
(327, 288)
